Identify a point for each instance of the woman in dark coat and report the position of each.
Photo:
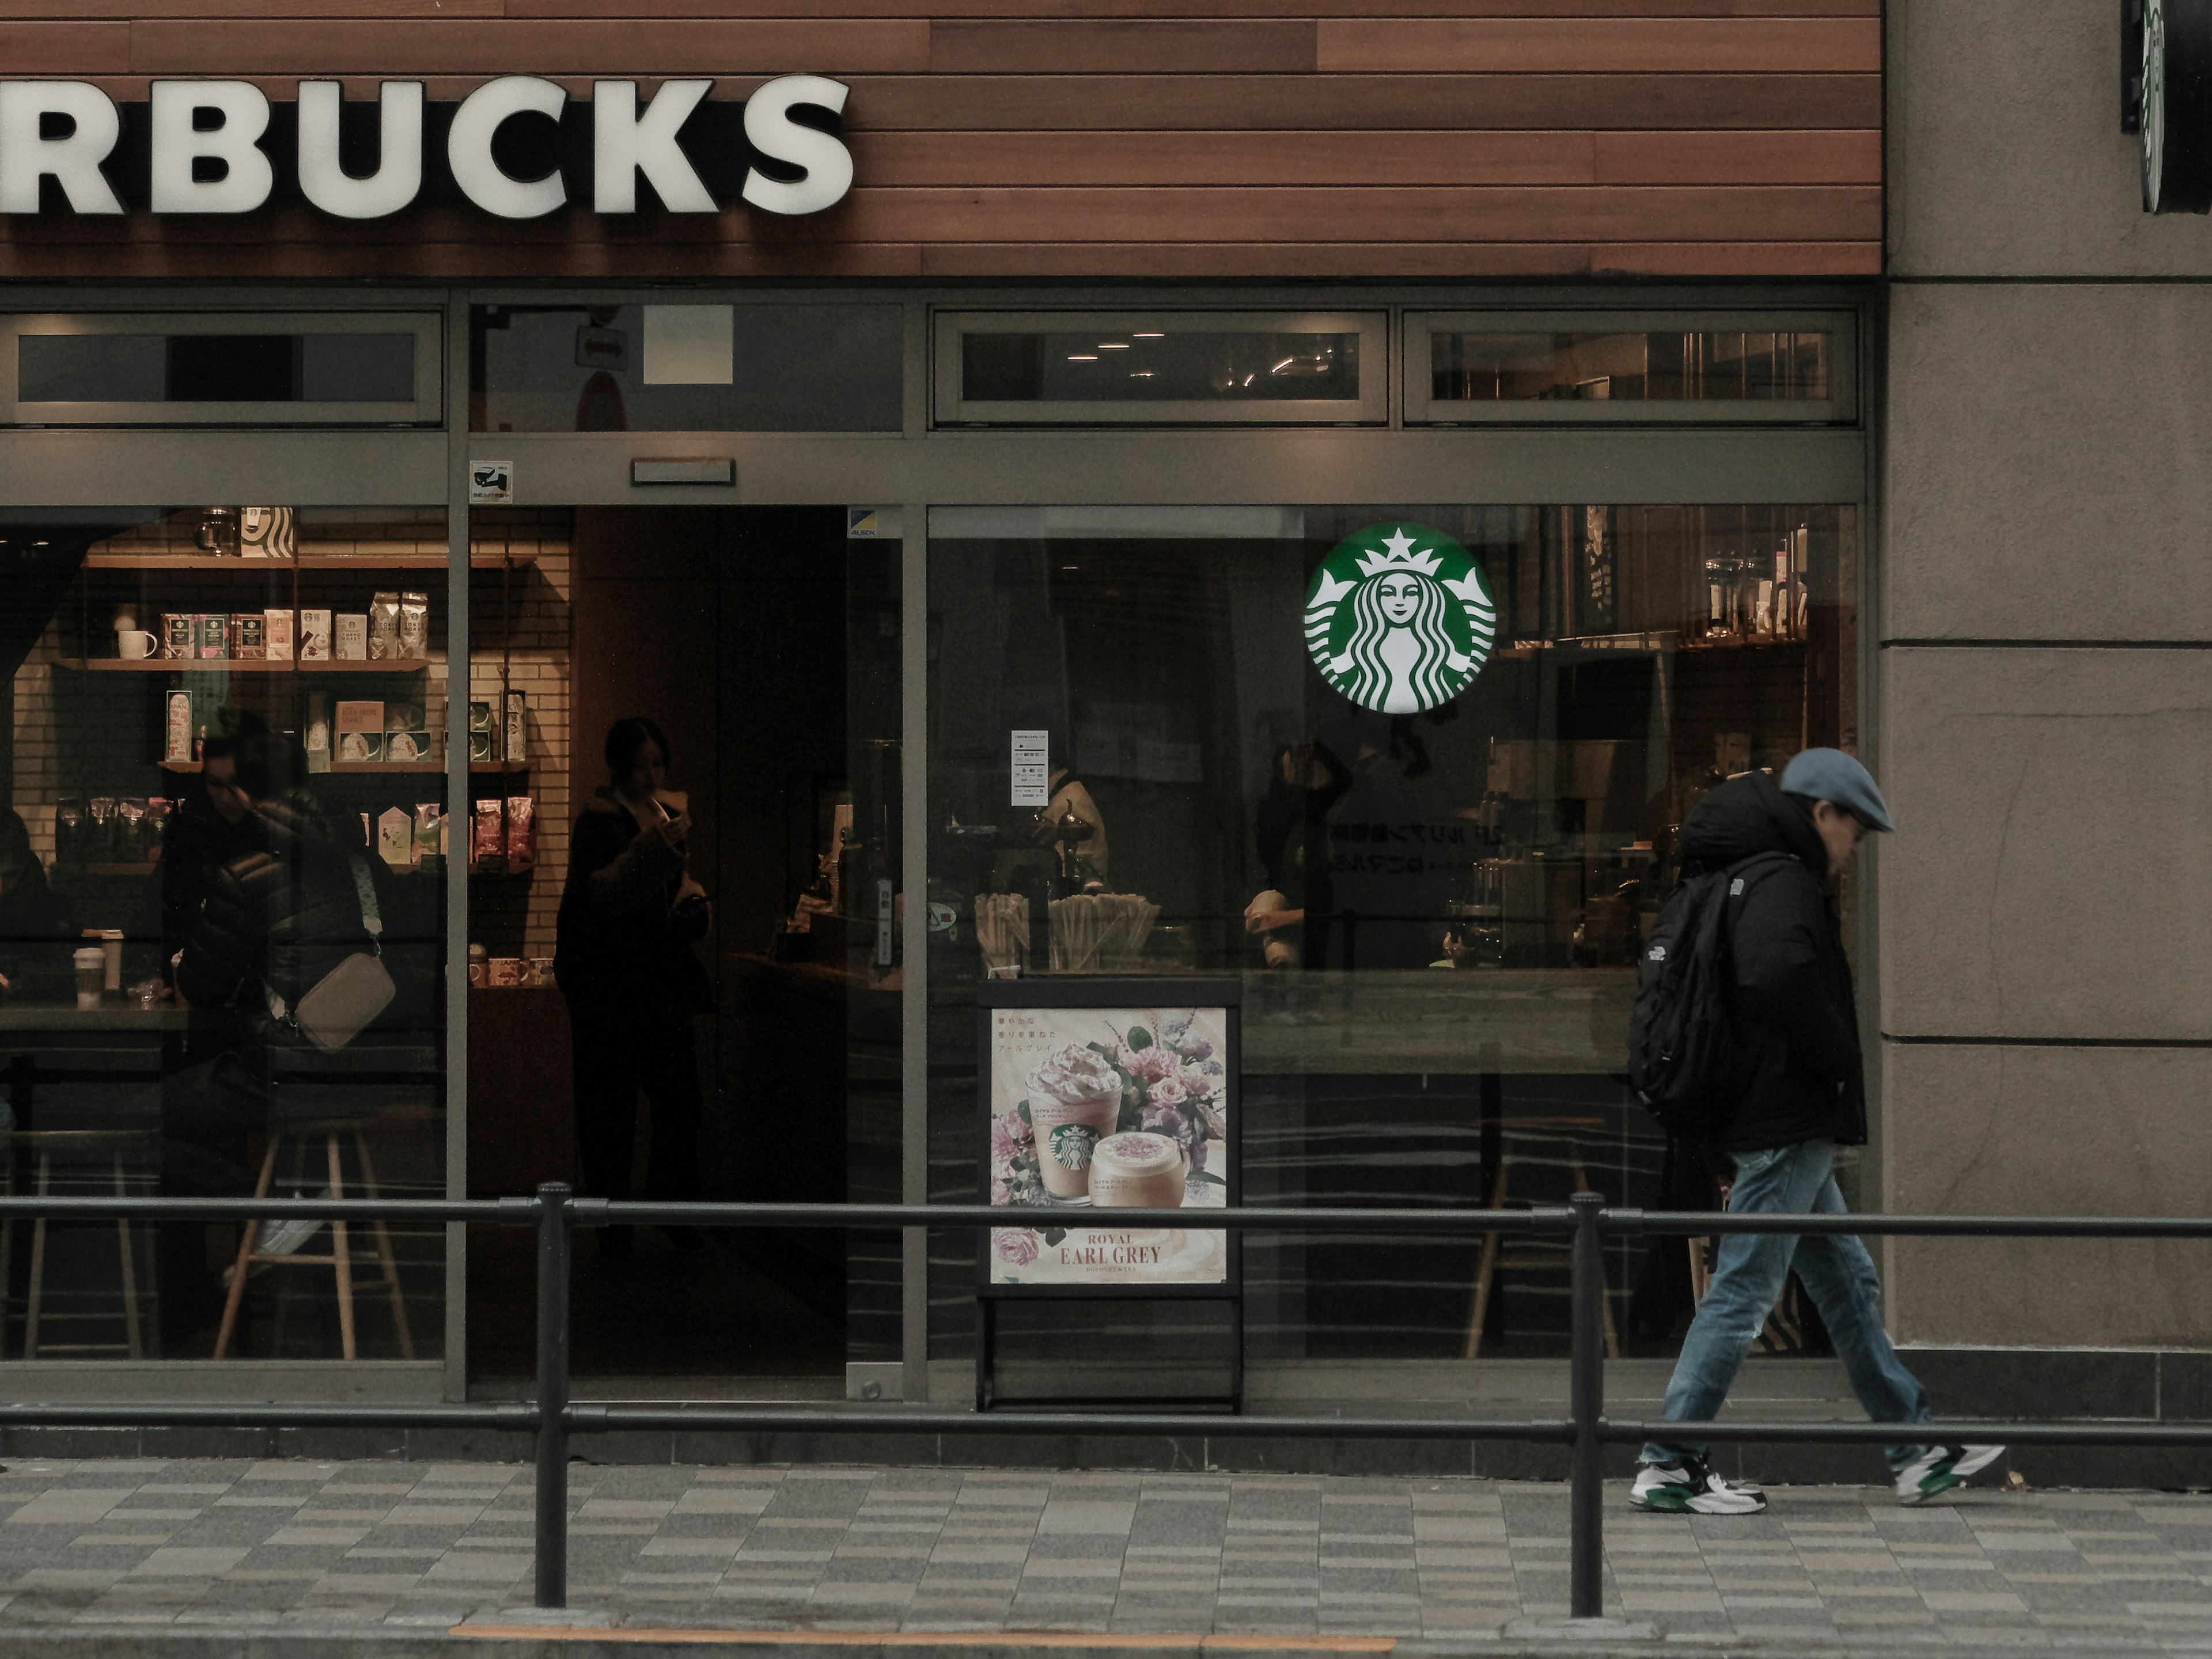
(629, 917)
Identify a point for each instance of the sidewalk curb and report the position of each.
(136, 1642)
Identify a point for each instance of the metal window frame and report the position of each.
(1027, 463)
(951, 407)
(426, 409)
(1840, 407)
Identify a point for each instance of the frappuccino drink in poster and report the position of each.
(1123, 1109)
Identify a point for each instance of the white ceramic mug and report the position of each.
(133, 643)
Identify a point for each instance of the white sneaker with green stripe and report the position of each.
(1689, 1487)
(1939, 1468)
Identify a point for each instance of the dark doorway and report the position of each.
(764, 643)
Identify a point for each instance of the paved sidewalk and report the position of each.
(387, 1547)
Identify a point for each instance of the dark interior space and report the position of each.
(730, 629)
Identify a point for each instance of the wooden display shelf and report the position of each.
(246, 666)
(376, 769)
(305, 561)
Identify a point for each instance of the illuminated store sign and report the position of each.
(516, 147)
(1399, 619)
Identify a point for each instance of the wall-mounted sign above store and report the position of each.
(2166, 90)
(518, 148)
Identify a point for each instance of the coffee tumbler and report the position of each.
(91, 962)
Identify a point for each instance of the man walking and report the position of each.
(1795, 1013)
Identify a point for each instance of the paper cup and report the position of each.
(91, 965)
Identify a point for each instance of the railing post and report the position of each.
(551, 1546)
(1586, 1383)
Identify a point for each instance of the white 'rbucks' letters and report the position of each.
(399, 176)
(246, 178)
(772, 131)
(468, 147)
(623, 146)
(72, 160)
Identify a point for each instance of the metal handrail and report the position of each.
(555, 1212)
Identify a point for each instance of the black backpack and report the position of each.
(1684, 1062)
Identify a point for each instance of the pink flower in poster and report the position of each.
(1010, 1136)
(1216, 1121)
(1002, 1194)
(1018, 1245)
(1150, 1064)
(1195, 1083)
(1169, 1092)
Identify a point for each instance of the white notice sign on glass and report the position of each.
(1032, 769)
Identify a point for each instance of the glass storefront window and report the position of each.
(1563, 368)
(357, 368)
(1197, 367)
(1416, 772)
(222, 722)
(688, 367)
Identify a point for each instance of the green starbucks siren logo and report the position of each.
(1399, 619)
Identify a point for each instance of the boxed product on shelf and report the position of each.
(319, 732)
(351, 635)
(521, 832)
(212, 637)
(429, 831)
(276, 626)
(179, 635)
(414, 627)
(406, 736)
(360, 730)
(384, 628)
(480, 732)
(487, 834)
(267, 532)
(177, 731)
(249, 637)
(395, 836)
(517, 747)
(315, 636)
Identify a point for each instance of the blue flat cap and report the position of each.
(1831, 775)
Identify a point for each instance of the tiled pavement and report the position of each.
(385, 1546)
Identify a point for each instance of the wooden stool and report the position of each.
(45, 1143)
(340, 1260)
(1540, 1255)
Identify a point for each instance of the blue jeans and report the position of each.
(1754, 1268)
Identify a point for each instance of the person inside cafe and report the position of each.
(209, 827)
(277, 918)
(36, 931)
(630, 916)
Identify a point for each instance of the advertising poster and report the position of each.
(1114, 1107)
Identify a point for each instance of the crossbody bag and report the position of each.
(348, 999)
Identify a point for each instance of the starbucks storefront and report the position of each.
(1273, 701)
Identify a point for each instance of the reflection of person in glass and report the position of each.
(34, 924)
(629, 915)
(1400, 652)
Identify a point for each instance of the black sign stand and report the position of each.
(1055, 992)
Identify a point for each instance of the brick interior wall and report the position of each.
(85, 734)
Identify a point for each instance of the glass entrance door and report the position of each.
(683, 856)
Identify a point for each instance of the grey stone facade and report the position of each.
(2044, 609)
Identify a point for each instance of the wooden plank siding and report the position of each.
(1084, 138)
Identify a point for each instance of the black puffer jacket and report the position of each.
(620, 937)
(281, 915)
(1795, 1001)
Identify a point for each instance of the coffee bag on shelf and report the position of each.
(414, 627)
(384, 628)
